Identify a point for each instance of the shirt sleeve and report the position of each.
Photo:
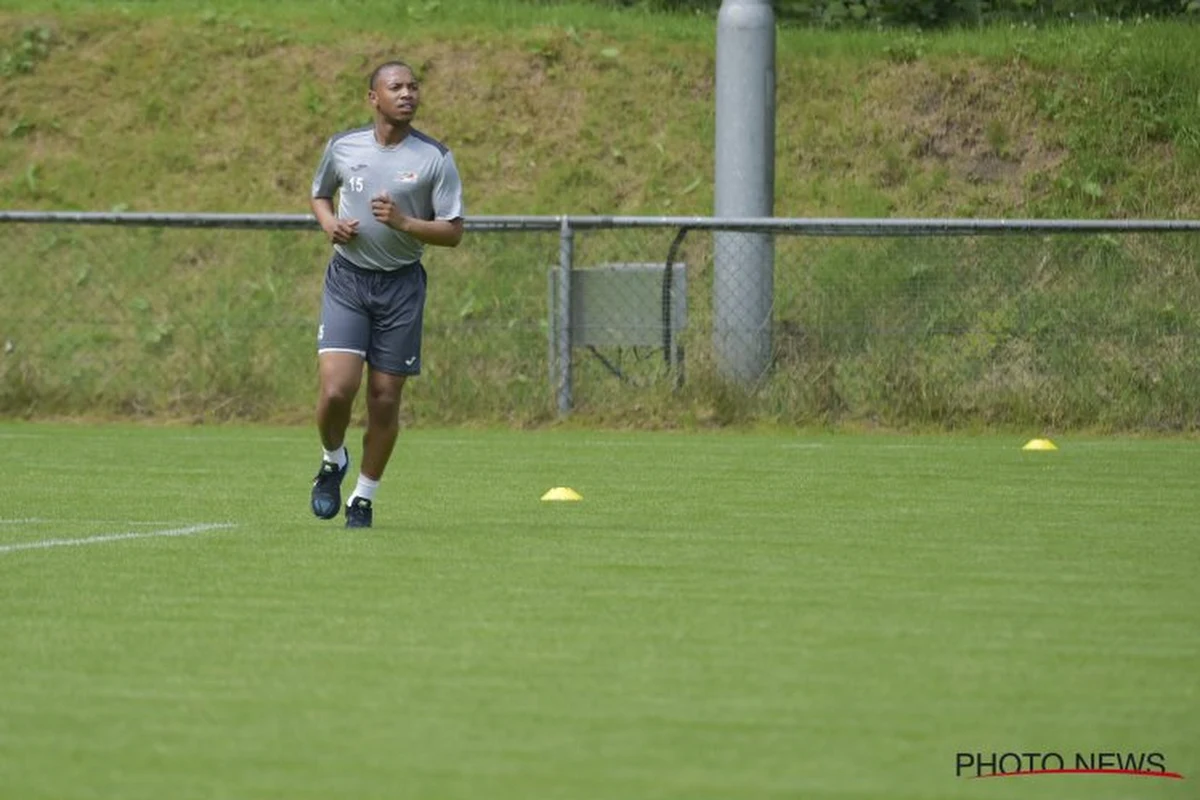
(325, 180)
(447, 191)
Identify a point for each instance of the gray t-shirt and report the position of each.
(419, 173)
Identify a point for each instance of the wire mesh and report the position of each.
(222, 324)
(1061, 328)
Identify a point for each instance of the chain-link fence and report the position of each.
(626, 320)
(905, 322)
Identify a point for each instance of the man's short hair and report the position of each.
(382, 67)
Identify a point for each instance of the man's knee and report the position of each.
(383, 393)
(338, 391)
(340, 376)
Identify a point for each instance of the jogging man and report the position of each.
(398, 190)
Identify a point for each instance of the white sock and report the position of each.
(365, 488)
(339, 456)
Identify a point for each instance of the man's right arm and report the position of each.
(339, 231)
(325, 184)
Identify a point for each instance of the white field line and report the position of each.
(214, 437)
(48, 521)
(44, 544)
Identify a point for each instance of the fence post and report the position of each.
(744, 263)
(566, 257)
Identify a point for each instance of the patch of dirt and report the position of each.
(977, 123)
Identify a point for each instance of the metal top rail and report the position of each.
(811, 226)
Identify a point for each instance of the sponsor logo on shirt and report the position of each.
(406, 177)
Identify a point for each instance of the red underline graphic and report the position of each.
(1141, 773)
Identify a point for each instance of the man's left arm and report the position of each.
(446, 228)
(440, 232)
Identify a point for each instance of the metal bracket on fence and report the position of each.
(566, 258)
(672, 358)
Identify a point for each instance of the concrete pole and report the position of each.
(744, 263)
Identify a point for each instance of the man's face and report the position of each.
(395, 95)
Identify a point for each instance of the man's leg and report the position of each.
(340, 375)
(383, 421)
(394, 355)
(383, 427)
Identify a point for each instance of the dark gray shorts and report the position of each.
(377, 315)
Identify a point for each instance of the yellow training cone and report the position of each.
(562, 493)
(1039, 444)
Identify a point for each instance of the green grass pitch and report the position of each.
(722, 615)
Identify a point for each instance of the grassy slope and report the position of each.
(544, 119)
(552, 109)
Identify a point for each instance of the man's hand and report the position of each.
(387, 212)
(341, 231)
(440, 232)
